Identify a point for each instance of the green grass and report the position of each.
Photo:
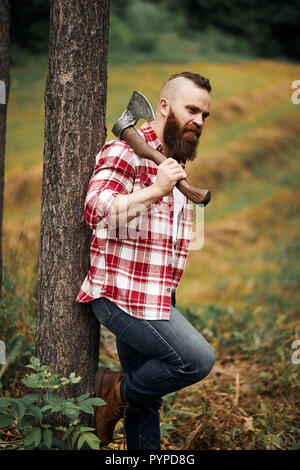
(265, 181)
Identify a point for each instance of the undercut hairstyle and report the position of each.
(200, 81)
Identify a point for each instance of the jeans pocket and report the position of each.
(101, 311)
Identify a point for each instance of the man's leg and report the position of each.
(177, 354)
(142, 428)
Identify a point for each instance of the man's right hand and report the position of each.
(168, 173)
(127, 207)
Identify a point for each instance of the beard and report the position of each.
(182, 142)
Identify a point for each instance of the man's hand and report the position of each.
(168, 173)
(126, 207)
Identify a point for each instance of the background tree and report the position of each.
(4, 77)
(262, 29)
(67, 336)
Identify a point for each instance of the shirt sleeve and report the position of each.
(114, 174)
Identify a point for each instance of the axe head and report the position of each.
(137, 108)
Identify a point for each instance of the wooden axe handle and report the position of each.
(141, 148)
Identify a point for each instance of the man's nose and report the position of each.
(198, 120)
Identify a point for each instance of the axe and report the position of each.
(137, 108)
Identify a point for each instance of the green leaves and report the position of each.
(165, 428)
(83, 397)
(18, 409)
(87, 405)
(32, 410)
(70, 410)
(74, 379)
(33, 436)
(30, 398)
(44, 378)
(34, 363)
(5, 402)
(5, 420)
(84, 434)
(47, 435)
(90, 438)
(36, 412)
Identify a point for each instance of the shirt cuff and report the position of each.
(106, 198)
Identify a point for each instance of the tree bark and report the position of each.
(4, 90)
(67, 335)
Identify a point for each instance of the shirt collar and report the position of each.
(153, 140)
(151, 137)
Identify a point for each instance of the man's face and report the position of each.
(185, 122)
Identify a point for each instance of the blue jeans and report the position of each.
(159, 357)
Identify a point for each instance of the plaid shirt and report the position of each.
(133, 268)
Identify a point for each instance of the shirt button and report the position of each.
(168, 289)
(170, 265)
(171, 216)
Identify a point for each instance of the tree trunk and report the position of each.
(67, 336)
(4, 89)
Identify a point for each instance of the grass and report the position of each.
(241, 290)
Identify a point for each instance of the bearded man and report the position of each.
(135, 271)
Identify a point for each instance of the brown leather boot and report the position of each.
(107, 387)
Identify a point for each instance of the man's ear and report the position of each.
(164, 107)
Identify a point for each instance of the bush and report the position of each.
(32, 411)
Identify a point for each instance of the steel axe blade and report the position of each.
(137, 108)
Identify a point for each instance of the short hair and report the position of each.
(200, 81)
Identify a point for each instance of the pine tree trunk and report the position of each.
(4, 89)
(67, 336)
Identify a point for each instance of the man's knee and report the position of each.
(202, 364)
(209, 362)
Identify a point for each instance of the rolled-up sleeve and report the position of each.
(113, 174)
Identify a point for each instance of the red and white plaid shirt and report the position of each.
(133, 268)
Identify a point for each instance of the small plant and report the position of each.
(32, 410)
